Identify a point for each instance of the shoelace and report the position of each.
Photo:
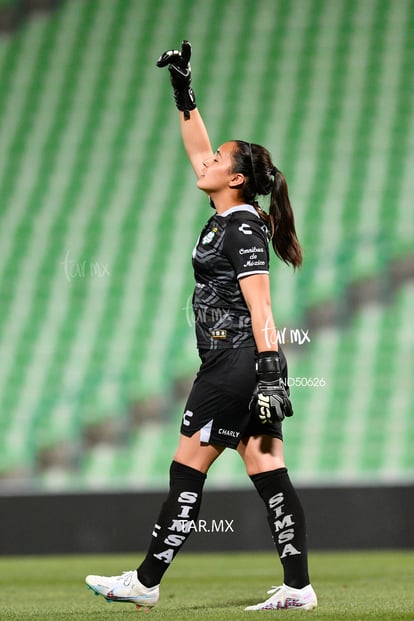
(274, 590)
(125, 577)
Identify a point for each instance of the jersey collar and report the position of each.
(246, 207)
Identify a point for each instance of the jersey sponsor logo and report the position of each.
(252, 250)
(251, 263)
(252, 259)
(245, 228)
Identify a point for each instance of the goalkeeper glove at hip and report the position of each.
(270, 400)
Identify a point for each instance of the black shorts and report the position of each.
(218, 404)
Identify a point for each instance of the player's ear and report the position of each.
(237, 180)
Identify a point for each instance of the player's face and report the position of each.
(217, 172)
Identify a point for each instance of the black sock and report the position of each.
(173, 526)
(287, 523)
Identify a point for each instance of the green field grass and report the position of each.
(369, 585)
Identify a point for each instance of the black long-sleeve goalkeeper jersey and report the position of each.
(231, 246)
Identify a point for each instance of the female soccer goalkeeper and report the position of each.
(239, 397)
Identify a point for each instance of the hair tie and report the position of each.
(274, 171)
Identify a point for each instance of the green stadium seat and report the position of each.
(100, 213)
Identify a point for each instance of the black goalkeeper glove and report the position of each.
(180, 74)
(270, 401)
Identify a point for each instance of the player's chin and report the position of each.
(201, 184)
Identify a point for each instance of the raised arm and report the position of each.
(193, 131)
(195, 139)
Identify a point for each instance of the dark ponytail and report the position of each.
(282, 221)
(263, 178)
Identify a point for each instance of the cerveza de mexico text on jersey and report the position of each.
(231, 245)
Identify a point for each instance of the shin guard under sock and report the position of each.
(287, 523)
(173, 526)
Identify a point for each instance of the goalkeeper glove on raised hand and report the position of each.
(180, 74)
(270, 401)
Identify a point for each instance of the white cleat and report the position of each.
(124, 588)
(287, 598)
